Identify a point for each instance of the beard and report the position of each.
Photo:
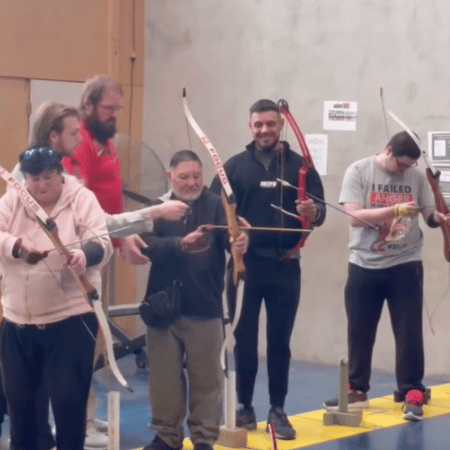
(102, 131)
(268, 148)
(187, 197)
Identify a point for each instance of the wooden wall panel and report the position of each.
(131, 108)
(14, 95)
(131, 41)
(130, 124)
(67, 40)
(53, 39)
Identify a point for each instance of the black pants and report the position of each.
(3, 409)
(45, 439)
(59, 358)
(278, 284)
(366, 290)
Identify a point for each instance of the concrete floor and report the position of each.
(310, 385)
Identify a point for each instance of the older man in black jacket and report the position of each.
(182, 253)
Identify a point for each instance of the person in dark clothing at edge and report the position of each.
(273, 272)
(181, 251)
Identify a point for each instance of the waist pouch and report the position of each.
(161, 309)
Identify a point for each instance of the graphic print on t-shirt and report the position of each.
(383, 195)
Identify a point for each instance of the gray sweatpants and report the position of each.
(197, 342)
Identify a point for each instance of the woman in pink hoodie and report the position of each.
(49, 328)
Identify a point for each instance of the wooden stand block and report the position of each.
(235, 438)
(342, 416)
(352, 419)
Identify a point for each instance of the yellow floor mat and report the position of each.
(381, 413)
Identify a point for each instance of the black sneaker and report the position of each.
(282, 427)
(159, 444)
(356, 399)
(202, 446)
(412, 408)
(245, 418)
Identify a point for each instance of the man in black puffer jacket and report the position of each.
(272, 261)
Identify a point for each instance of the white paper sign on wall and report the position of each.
(318, 147)
(339, 115)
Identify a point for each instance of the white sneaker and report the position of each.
(101, 425)
(95, 440)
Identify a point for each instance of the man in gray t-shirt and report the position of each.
(384, 195)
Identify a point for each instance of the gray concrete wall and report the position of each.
(230, 53)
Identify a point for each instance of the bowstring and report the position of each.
(447, 289)
(58, 282)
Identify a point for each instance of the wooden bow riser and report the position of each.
(233, 230)
(442, 207)
(86, 287)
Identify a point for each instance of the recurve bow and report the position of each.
(308, 163)
(229, 205)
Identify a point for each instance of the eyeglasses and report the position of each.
(111, 108)
(405, 165)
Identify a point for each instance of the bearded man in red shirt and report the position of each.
(96, 164)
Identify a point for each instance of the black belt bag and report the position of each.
(161, 309)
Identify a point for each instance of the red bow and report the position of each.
(303, 171)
